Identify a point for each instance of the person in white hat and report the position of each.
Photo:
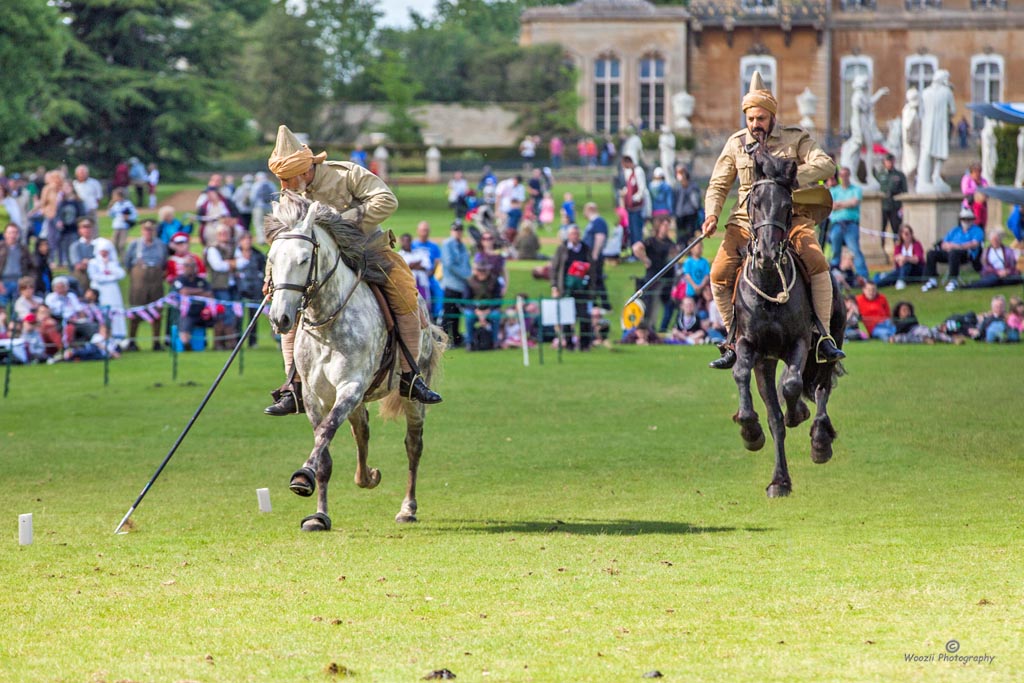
(788, 142)
(961, 245)
(366, 200)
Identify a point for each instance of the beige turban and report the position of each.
(290, 157)
(760, 96)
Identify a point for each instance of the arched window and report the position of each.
(652, 91)
(920, 70)
(607, 86)
(986, 81)
(850, 67)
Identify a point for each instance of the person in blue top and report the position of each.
(845, 222)
(456, 269)
(423, 242)
(961, 245)
(358, 156)
(661, 194)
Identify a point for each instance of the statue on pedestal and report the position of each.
(1018, 177)
(682, 108)
(667, 153)
(807, 105)
(863, 133)
(937, 108)
(989, 156)
(633, 147)
(910, 130)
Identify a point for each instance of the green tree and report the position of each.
(151, 78)
(32, 46)
(399, 91)
(284, 71)
(348, 29)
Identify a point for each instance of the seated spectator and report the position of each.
(994, 327)
(688, 329)
(910, 331)
(998, 263)
(978, 205)
(961, 245)
(494, 260)
(710, 317)
(483, 316)
(852, 331)
(189, 283)
(180, 256)
(600, 326)
(29, 347)
(511, 333)
(49, 330)
(526, 244)
(27, 301)
(1015, 319)
(908, 259)
(98, 347)
(845, 273)
(84, 320)
(641, 336)
(875, 312)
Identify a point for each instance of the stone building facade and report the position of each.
(711, 49)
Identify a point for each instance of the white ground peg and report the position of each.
(263, 497)
(25, 529)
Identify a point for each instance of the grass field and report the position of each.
(591, 520)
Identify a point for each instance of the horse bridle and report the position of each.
(313, 286)
(780, 251)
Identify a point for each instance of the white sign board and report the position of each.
(558, 311)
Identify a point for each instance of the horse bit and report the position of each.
(780, 257)
(313, 285)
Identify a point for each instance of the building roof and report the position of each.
(606, 10)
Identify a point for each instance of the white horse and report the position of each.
(320, 265)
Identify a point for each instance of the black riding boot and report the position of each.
(412, 387)
(288, 400)
(828, 352)
(728, 358)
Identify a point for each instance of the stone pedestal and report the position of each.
(931, 215)
(871, 219)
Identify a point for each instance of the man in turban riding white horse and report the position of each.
(365, 200)
(810, 206)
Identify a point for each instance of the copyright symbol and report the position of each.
(953, 646)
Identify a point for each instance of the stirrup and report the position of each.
(412, 387)
(834, 356)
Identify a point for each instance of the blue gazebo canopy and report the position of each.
(1007, 112)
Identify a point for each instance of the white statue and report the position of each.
(989, 156)
(682, 107)
(1018, 177)
(937, 108)
(863, 132)
(633, 147)
(894, 139)
(807, 105)
(910, 136)
(667, 152)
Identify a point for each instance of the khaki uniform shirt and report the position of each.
(357, 193)
(788, 142)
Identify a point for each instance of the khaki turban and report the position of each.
(290, 157)
(760, 96)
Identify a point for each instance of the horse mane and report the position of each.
(781, 170)
(362, 253)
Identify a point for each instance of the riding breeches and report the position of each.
(400, 288)
(803, 235)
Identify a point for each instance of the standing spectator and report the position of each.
(169, 225)
(569, 206)
(908, 259)
(962, 130)
(189, 284)
(152, 181)
(250, 267)
(632, 198)
(526, 245)
(15, 213)
(547, 211)
(263, 192)
(213, 207)
(81, 251)
(419, 264)
(961, 245)
(105, 275)
(655, 253)
(457, 189)
(146, 262)
(358, 156)
(998, 263)
(423, 243)
(89, 190)
(595, 236)
(486, 175)
(687, 207)
(696, 272)
(220, 265)
(49, 199)
(845, 219)
(122, 178)
(528, 151)
(139, 178)
(661, 194)
(41, 267)
(892, 182)
(557, 148)
(971, 182)
(979, 207)
(570, 269)
(581, 151)
(69, 210)
(535, 190)
(15, 263)
(242, 199)
(875, 312)
(123, 216)
(455, 273)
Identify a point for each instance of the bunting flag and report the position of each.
(151, 311)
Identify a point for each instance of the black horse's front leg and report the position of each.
(765, 373)
(750, 427)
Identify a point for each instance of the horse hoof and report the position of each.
(317, 522)
(373, 480)
(797, 416)
(405, 518)
(821, 454)
(754, 444)
(778, 490)
(303, 482)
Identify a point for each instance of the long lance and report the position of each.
(668, 266)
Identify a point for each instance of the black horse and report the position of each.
(774, 322)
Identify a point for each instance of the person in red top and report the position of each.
(181, 255)
(875, 312)
(908, 257)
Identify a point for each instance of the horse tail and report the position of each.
(391, 407)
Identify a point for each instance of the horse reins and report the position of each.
(313, 286)
(783, 296)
